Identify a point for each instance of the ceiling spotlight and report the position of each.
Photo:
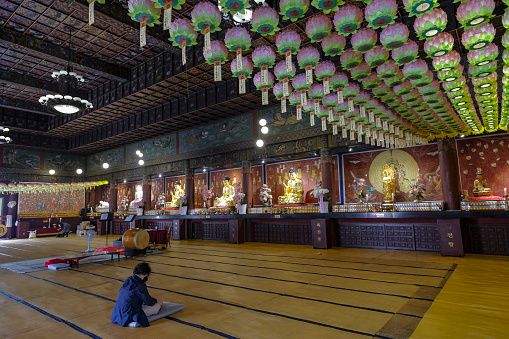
(350, 149)
(106, 165)
(79, 171)
(259, 143)
(141, 162)
(51, 171)
(265, 130)
(160, 175)
(204, 170)
(140, 154)
(262, 122)
(462, 136)
(125, 181)
(263, 161)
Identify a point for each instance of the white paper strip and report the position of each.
(373, 142)
(239, 59)
(396, 129)
(288, 60)
(362, 111)
(359, 132)
(350, 104)
(391, 140)
(324, 124)
(341, 99)
(352, 125)
(352, 135)
(380, 135)
(242, 83)
(334, 128)
(309, 75)
(326, 86)
(207, 40)
(303, 98)
(312, 118)
(265, 96)
(378, 122)
(184, 58)
(343, 132)
(143, 34)
(285, 87)
(331, 114)
(265, 74)
(341, 120)
(368, 132)
(91, 18)
(316, 105)
(384, 125)
(167, 17)
(299, 112)
(371, 116)
(283, 105)
(217, 70)
(391, 128)
(373, 133)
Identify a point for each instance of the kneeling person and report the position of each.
(134, 303)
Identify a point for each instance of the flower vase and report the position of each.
(243, 209)
(139, 211)
(183, 210)
(266, 203)
(325, 208)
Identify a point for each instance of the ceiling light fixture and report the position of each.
(265, 130)
(4, 138)
(141, 162)
(51, 171)
(106, 165)
(79, 171)
(259, 143)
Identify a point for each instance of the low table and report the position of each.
(46, 231)
(74, 259)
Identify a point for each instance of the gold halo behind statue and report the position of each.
(401, 162)
(3, 230)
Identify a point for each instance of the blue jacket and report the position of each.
(131, 296)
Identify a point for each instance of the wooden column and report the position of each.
(113, 197)
(247, 183)
(147, 191)
(190, 188)
(327, 168)
(449, 173)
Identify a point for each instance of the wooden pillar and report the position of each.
(449, 173)
(147, 191)
(247, 183)
(236, 229)
(190, 188)
(327, 168)
(113, 197)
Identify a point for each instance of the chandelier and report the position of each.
(66, 101)
(4, 138)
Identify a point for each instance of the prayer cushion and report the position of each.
(55, 261)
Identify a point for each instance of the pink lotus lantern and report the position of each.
(360, 72)
(264, 86)
(323, 72)
(474, 13)
(430, 24)
(182, 34)
(318, 27)
(406, 53)
(415, 70)
(371, 81)
(316, 94)
(350, 59)
(144, 12)
(330, 101)
(440, 45)
(308, 59)
(300, 85)
(265, 20)
(293, 9)
(264, 58)
(334, 44)
(168, 5)
(288, 43)
(338, 82)
(377, 57)
(284, 76)
(364, 40)
(394, 36)
(295, 100)
(206, 18)
(387, 70)
(479, 58)
(477, 38)
(238, 39)
(279, 94)
(348, 19)
(217, 55)
(242, 71)
(381, 13)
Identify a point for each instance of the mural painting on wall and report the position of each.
(152, 148)
(491, 155)
(408, 165)
(291, 147)
(105, 194)
(170, 186)
(156, 189)
(278, 122)
(200, 180)
(114, 157)
(131, 190)
(66, 162)
(21, 158)
(216, 180)
(47, 201)
(308, 170)
(221, 133)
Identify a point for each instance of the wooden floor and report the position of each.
(261, 291)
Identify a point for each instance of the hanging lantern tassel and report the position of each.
(217, 70)
(362, 111)
(265, 75)
(167, 16)
(324, 124)
(143, 33)
(288, 59)
(283, 104)
(341, 99)
(359, 132)
(309, 75)
(265, 96)
(343, 132)
(312, 118)
(239, 58)
(342, 120)
(285, 87)
(303, 98)
(242, 83)
(334, 128)
(326, 86)
(378, 122)
(331, 114)
(367, 135)
(91, 18)
(384, 125)
(317, 105)
(350, 104)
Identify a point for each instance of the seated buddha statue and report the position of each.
(176, 194)
(481, 186)
(388, 184)
(228, 192)
(294, 190)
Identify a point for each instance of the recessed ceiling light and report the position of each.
(259, 143)
(51, 171)
(106, 165)
(79, 171)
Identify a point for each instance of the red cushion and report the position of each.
(55, 261)
(109, 248)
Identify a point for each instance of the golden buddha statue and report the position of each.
(228, 192)
(175, 195)
(388, 184)
(294, 190)
(481, 188)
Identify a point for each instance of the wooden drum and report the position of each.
(136, 238)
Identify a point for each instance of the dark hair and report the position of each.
(142, 268)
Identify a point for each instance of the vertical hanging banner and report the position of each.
(371, 116)
(391, 128)
(312, 118)
(265, 74)
(242, 83)
(207, 40)
(303, 98)
(288, 59)
(299, 112)
(317, 105)
(350, 104)
(324, 124)
(374, 134)
(359, 132)
(352, 135)
(91, 18)
(378, 122)
(285, 87)
(384, 125)
(391, 140)
(396, 130)
(184, 57)
(341, 99)
(342, 119)
(283, 104)
(343, 132)
(265, 96)
(331, 114)
(326, 85)
(239, 58)
(334, 128)
(362, 111)
(309, 75)
(167, 16)
(143, 34)
(217, 70)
